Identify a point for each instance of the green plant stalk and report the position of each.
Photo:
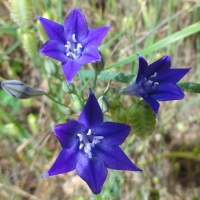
(59, 102)
(98, 197)
(95, 82)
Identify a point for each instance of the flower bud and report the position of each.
(19, 89)
(118, 112)
(99, 66)
(69, 89)
(50, 67)
(141, 119)
(103, 103)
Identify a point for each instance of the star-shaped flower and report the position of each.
(157, 82)
(72, 44)
(90, 146)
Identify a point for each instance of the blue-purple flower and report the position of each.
(157, 82)
(90, 146)
(72, 44)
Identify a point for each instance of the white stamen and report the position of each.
(74, 38)
(156, 83)
(87, 150)
(89, 132)
(80, 136)
(154, 75)
(81, 145)
(149, 82)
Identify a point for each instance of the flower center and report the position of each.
(73, 49)
(149, 84)
(88, 141)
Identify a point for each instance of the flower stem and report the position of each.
(98, 197)
(116, 97)
(58, 102)
(95, 81)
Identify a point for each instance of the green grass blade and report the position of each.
(160, 44)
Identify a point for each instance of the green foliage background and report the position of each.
(170, 157)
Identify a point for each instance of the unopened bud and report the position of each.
(99, 66)
(20, 90)
(69, 89)
(118, 112)
(50, 67)
(141, 119)
(103, 103)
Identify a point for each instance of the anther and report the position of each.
(74, 38)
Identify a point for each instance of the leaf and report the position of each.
(190, 87)
(106, 76)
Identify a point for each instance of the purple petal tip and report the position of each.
(38, 17)
(90, 91)
(139, 56)
(45, 175)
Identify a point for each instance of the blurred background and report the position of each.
(169, 158)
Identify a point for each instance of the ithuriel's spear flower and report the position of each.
(90, 146)
(157, 82)
(72, 44)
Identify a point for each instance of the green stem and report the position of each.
(95, 82)
(116, 97)
(59, 102)
(98, 197)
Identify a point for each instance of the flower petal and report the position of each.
(142, 67)
(67, 133)
(91, 115)
(89, 55)
(152, 103)
(70, 68)
(93, 172)
(75, 23)
(54, 50)
(115, 158)
(65, 162)
(132, 90)
(54, 30)
(95, 36)
(171, 76)
(167, 92)
(113, 133)
(160, 65)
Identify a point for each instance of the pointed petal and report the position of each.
(75, 23)
(132, 90)
(54, 30)
(54, 50)
(142, 67)
(161, 65)
(113, 133)
(89, 55)
(115, 158)
(152, 103)
(65, 162)
(95, 36)
(93, 172)
(167, 92)
(91, 115)
(67, 133)
(70, 68)
(171, 76)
